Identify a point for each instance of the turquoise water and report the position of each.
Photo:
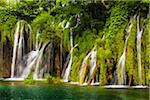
(43, 91)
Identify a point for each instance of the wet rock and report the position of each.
(5, 59)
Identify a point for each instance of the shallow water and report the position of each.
(43, 91)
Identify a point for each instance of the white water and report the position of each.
(24, 64)
(91, 54)
(68, 69)
(20, 53)
(67, 72)
(39, 59)
(93, 61)
(32, 57)
(139, 36)
(16, 36)
(30, 37)
(84, 62)
(20, 45)
(121, 64)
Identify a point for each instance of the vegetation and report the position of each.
(100, 23)
(29, 81)
(50, 79)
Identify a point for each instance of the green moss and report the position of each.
(74, 76)
(50, 79)
(101, 56)
(118, 48)
(29, 81)
(146, 51)
(131, 65)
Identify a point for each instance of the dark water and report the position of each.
(43, 91)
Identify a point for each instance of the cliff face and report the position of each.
(5, 59)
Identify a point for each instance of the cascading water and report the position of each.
(121, 64)
(20, 52)
(30, 37)
(67, 72)
(139, 36)
(34, 59)
(92, 53)
(23, 64)
(68, 69)
(66, 76)
(39, 61)
(84, 62)
(16, 36)
(31, 59)
(93, 61)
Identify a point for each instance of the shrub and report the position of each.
(29, 80)
(50, 79)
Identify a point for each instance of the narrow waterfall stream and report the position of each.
(67, 72)
(39, 60)
(121, 63)
(16, 36)
(93, 61)
(139, 36)
(68, 69)
(83, 68)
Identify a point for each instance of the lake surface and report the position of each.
(43, 91)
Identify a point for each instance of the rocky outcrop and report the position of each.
(5, 59)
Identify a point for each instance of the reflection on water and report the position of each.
(42, 91)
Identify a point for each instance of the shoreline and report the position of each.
(83, 85)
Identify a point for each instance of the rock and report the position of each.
(5, 59)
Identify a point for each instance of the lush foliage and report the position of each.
(50, 79)
(94, 23)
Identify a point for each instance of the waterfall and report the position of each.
(68, 69)
(25, 64)
(20, 45)
(121, 64)
(139, 36)
(31, 59)
(66, 76)
(93, 69)
(67, 72)
(20, 52)
(92, 53)
(16, 36)
(93, 61)
(30, 37)
(84, 62)
(39, 61)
